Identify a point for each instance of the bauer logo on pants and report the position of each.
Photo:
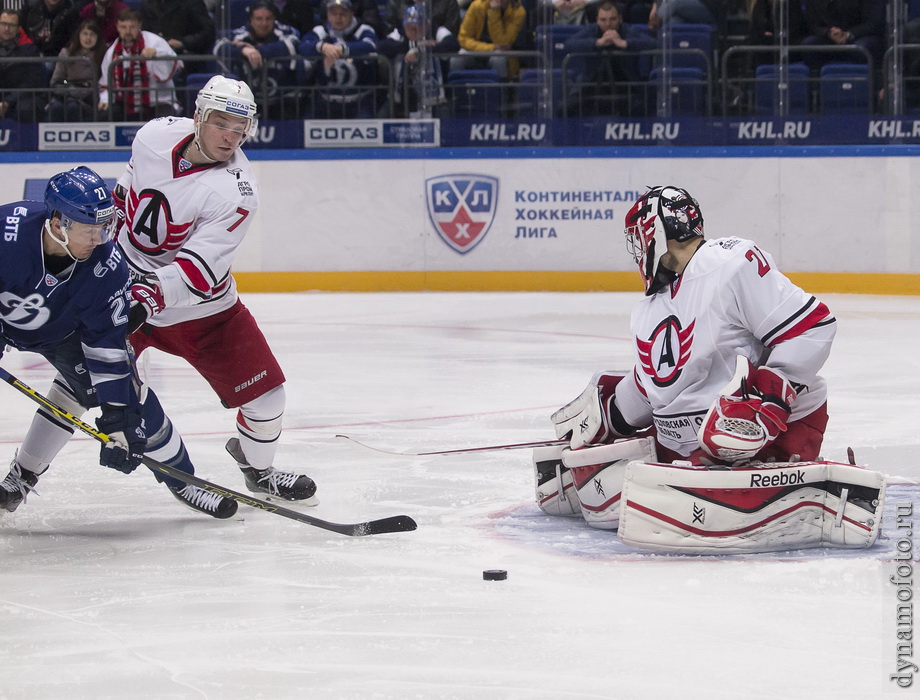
(462, 208)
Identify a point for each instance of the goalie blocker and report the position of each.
(762, 508)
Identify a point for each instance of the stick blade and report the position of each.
(395, 523)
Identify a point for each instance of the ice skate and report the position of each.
(16, 486)
(274, 482)
(202, 501)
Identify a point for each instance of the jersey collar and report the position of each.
(181, 166)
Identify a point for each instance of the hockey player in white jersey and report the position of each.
(721, 335)
(710, 443)
(189, 196)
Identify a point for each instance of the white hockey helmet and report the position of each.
(230, 96)
(660, 215)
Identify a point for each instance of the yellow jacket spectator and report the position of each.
(493, 25)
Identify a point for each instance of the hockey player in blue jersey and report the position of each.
(64, 294)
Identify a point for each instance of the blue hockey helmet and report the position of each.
(80, 195)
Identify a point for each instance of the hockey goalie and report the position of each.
(710, 444)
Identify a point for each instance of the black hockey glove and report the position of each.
(125, 428)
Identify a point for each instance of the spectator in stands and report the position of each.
(74, 83)
(566, 11)
(765, 21)
(414, 66)
(140, 89)
(185, 24)
(609, 79)
(445, 16)
(252, 48)
(50, 24)
(491, 25)
(368, 12)
(845, 23)
(105, 14)
(684, 12)
(338, 41)
(15, 43)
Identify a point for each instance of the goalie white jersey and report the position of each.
(730, 300)
(185, 222)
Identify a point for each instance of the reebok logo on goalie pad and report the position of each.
(782, 479)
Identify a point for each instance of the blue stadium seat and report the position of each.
(767, 89)
(844, 88)
(688, 91)
(238, 15)
(557, 35)
(475, 92)
(692, 36)
(528, 106)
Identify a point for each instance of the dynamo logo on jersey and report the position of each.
(462, 208)
(27, 314)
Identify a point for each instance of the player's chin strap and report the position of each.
(63, 242)
(197, 142)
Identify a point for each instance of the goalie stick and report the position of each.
(396, 523)
(463, 450)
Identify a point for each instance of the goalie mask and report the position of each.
(660, 215)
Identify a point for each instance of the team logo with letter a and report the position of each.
(462, 208)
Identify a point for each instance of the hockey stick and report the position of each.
(464, 450)
(396, 523)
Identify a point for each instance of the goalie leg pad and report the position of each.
(761, 508)
(857, 495)
(598, 472)
(555, 490)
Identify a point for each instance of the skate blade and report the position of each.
(310, 502)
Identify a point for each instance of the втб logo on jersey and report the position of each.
(28, 314)
(665, 353)
(150, 223)
(462, 208)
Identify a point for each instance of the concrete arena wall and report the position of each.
(835, 219)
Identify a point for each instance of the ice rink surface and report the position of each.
(109, 588)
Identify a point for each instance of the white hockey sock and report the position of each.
(47, 437)
(258, 424)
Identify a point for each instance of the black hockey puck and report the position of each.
(494, 575)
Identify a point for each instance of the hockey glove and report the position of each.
(749, 414)
(127, 439)
(118, 198)
(586, 420)
(146, 301)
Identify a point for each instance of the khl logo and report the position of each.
(462, 208)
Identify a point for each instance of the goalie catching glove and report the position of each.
(749, 414)
(586, 420)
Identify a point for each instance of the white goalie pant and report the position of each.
(761, 508)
